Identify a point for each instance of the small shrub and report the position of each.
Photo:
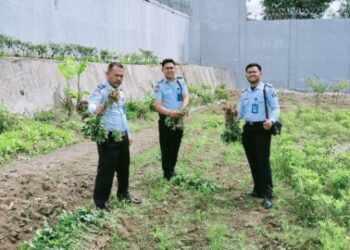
(221, 92)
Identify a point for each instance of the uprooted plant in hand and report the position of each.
(93, 127)
(232, 131)
(176, 122)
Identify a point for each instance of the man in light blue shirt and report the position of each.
(256, 137)
(171, 98)
(114, 157)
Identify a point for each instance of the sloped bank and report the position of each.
(30, 85)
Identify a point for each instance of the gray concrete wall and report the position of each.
(123, 26)
(289, 51)
(28, 85)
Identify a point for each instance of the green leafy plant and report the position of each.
(7, 120)
(198, 183)
(163, 239)
(318, 88)
(68, 68)
(66, 232)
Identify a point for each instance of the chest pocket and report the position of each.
(168, 92)
(260, 98)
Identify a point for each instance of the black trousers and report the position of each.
(170, 141)
(256, 142)
(113, 157)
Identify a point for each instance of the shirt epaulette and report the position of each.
(269, 85)
(244, 90)
(179, 77)
(101, 86)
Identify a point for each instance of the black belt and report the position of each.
(123, 133)
(254, 123)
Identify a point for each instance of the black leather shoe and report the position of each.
(267, 203)
(128, 198)
(254, 194)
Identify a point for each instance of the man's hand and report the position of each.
(174, 113)
(131, 140)
(99, 109)
(267, 124)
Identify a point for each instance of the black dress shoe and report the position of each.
(267, 203)
(254, 194)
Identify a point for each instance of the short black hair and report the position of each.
(115, 64)
(250, 65)
(167, 60)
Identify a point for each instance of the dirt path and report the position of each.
(46, 185)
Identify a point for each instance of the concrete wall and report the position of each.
(27, 85)
(289, 51)
(123, 26)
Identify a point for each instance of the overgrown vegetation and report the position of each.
(32, 138)
(65, 234)
(203, 206)
(14, 47)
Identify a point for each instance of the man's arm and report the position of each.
(95, 102)
(161, 110)
(272, 100)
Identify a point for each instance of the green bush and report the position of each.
(201, 94)
(44, 116)
(7, 120)
(137, 109)
(221, 92)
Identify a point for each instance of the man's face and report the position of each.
(169, 70)
(115, 76)
(253, 75)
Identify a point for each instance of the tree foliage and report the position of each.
(299, 9)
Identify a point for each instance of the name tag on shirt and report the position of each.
(255, 108)
(179, 97)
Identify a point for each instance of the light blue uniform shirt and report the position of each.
(252, 107)
(169, 93)
(115, 116)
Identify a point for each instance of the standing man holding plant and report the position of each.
(171, 102)
(260, 109)
(113, 154)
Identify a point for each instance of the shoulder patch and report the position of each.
(101, 86)
(157, 88)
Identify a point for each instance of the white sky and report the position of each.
(255, 9)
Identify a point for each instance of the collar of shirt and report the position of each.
(260, 86)
(170, 83)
